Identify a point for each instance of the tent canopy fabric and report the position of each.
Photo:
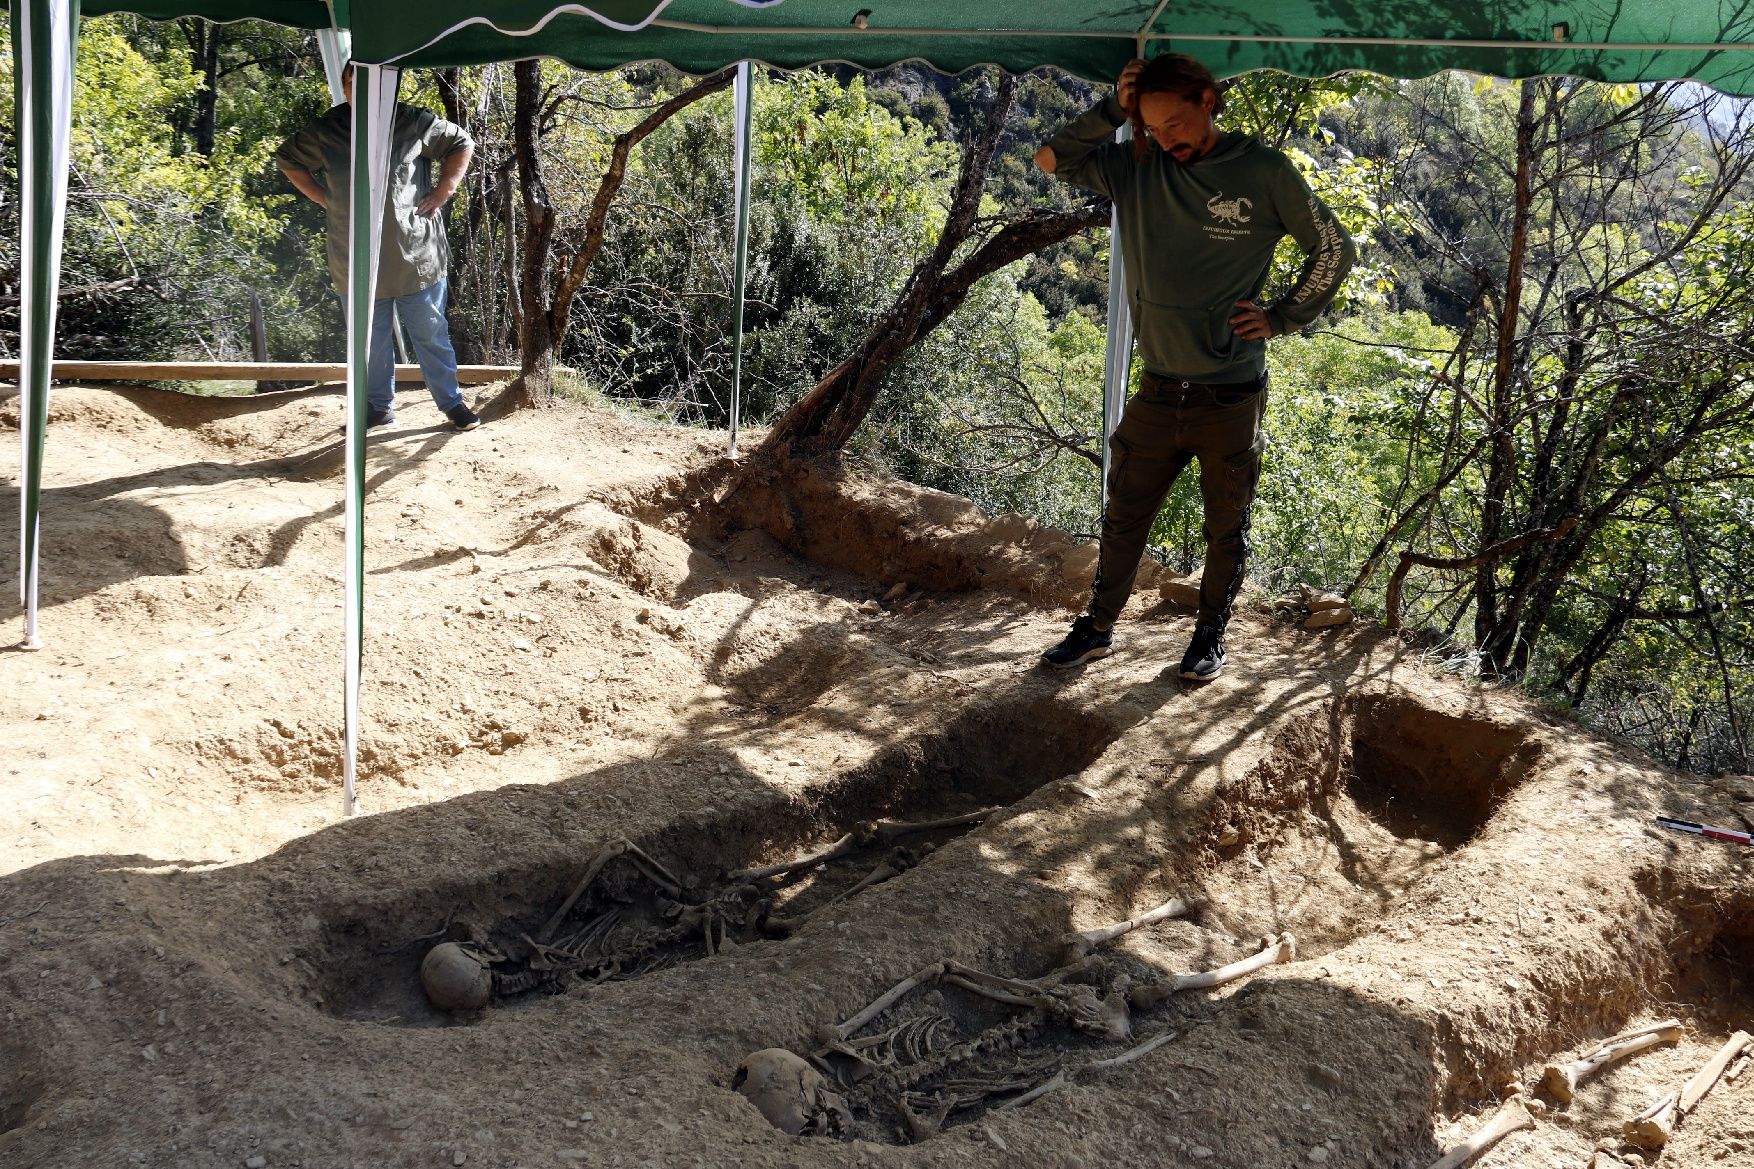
(1632, 40)
(292, 13)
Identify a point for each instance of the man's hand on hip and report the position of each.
(433, 203)
(1250, 321)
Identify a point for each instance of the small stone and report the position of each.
(149, 1053)
(587, 1117)
(1319, 1155)
(520, 643)
(256, 1162)
(1512, 984)
(458, 1157)
(870, 608)
(1199, 1152)
(896, 592)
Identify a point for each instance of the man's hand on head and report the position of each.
(1126, 87)
(1250, 321)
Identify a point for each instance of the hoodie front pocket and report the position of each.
(1186, 339)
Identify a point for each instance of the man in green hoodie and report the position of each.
(1201, 212)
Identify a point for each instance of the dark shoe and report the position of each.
(1205, 658)
(375, 418)
(1085, 643)
(463, 418)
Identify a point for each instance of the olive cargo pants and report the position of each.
(1166, 425)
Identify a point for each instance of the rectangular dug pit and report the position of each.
(1426, 773)
(689, 890)
(1350, 808)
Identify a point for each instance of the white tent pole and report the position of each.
(374, 123)
(745, 105)
(1145, 29)
(336, 46)
(1117, 364)
(44, 40)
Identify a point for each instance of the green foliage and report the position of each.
(195, 232)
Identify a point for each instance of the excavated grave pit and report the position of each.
(986, 760)
(1350, 808)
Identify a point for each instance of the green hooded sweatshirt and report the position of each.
(1199, 236)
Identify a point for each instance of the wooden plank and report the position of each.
(246, 371)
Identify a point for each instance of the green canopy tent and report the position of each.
(1622, 42)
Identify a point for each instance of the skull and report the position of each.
(456, 978)
(790, 1093)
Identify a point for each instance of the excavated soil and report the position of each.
(584, 629)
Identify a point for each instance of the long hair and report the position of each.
(1174, 73)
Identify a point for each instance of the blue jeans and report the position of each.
(423, 315)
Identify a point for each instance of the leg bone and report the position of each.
(1650, 1129)
(888, 999)
(1562, 1079)
(1281, 949)
(607, 853)
(1511, 1116)
(1705, 1077)
(1079, 945)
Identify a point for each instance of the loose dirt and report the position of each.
(582, 629)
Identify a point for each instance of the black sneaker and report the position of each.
(1205, 658)
(376, 418)
(1085, 643)
(463, 418)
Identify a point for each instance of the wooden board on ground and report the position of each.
(221, 371)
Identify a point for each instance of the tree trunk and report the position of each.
(203, 36)
(1502, 462)
(547, 288)
(536, 340)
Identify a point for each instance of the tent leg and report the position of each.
(45, 39)
(374, 117)
(1118, 361)
(745, 105)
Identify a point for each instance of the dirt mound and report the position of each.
(654, 756)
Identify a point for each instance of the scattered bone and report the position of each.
(1735, 1073)
(791, 1094)
(1652, 1128)
(1561, 1080)
(1707, 1076)
(863, 835)
(456, 977)
(1280, 949)
(1082, 944)
(899, 861)
(1511, 1117)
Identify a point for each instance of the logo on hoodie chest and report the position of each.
(1229, 216)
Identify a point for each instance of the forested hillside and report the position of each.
(1538, 380)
